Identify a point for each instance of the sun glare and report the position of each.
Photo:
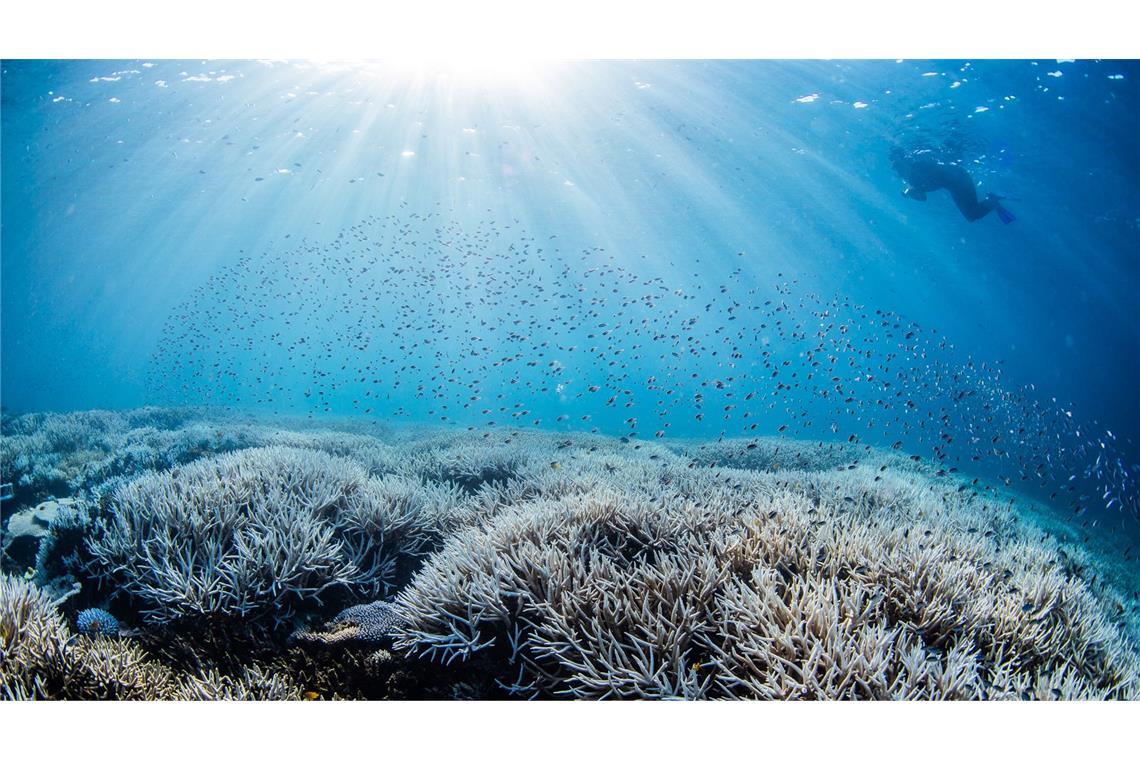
(462, 68)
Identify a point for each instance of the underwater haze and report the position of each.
(591, 279)
(127, 185)
(148, 204)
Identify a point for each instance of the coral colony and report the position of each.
(96, 622)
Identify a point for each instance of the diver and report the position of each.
(924, 173)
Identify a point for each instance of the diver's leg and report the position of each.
(966, 197)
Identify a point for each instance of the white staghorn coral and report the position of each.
(682, 582)
(256, 535)
(30, 626)
(48, 452)
(254, 683)
(41, 659)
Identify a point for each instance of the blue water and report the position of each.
(162, 220)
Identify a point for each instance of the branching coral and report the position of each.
(766, 454)
(254, 683)
(50, 453)
(256, 535)
(41, 659)
(799, 585)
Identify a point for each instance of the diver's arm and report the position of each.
(917, 195)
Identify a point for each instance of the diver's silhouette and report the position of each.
(924, 173)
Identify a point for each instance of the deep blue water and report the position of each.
(162, 220)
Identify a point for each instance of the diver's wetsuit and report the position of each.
(925, 174)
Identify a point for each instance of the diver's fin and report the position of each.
(1002, 212)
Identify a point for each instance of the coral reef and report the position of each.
(49, 454)
(760, 454)
(34, 522)
(532, 564)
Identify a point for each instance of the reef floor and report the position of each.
(179, 554)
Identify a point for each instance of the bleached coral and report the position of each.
(50, 453)
(41, 659)
(682, 582)
(560, 564)
(253, 683)
(256, 535)
(766, 454)
(29, 623)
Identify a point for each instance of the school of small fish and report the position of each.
(413, 316)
